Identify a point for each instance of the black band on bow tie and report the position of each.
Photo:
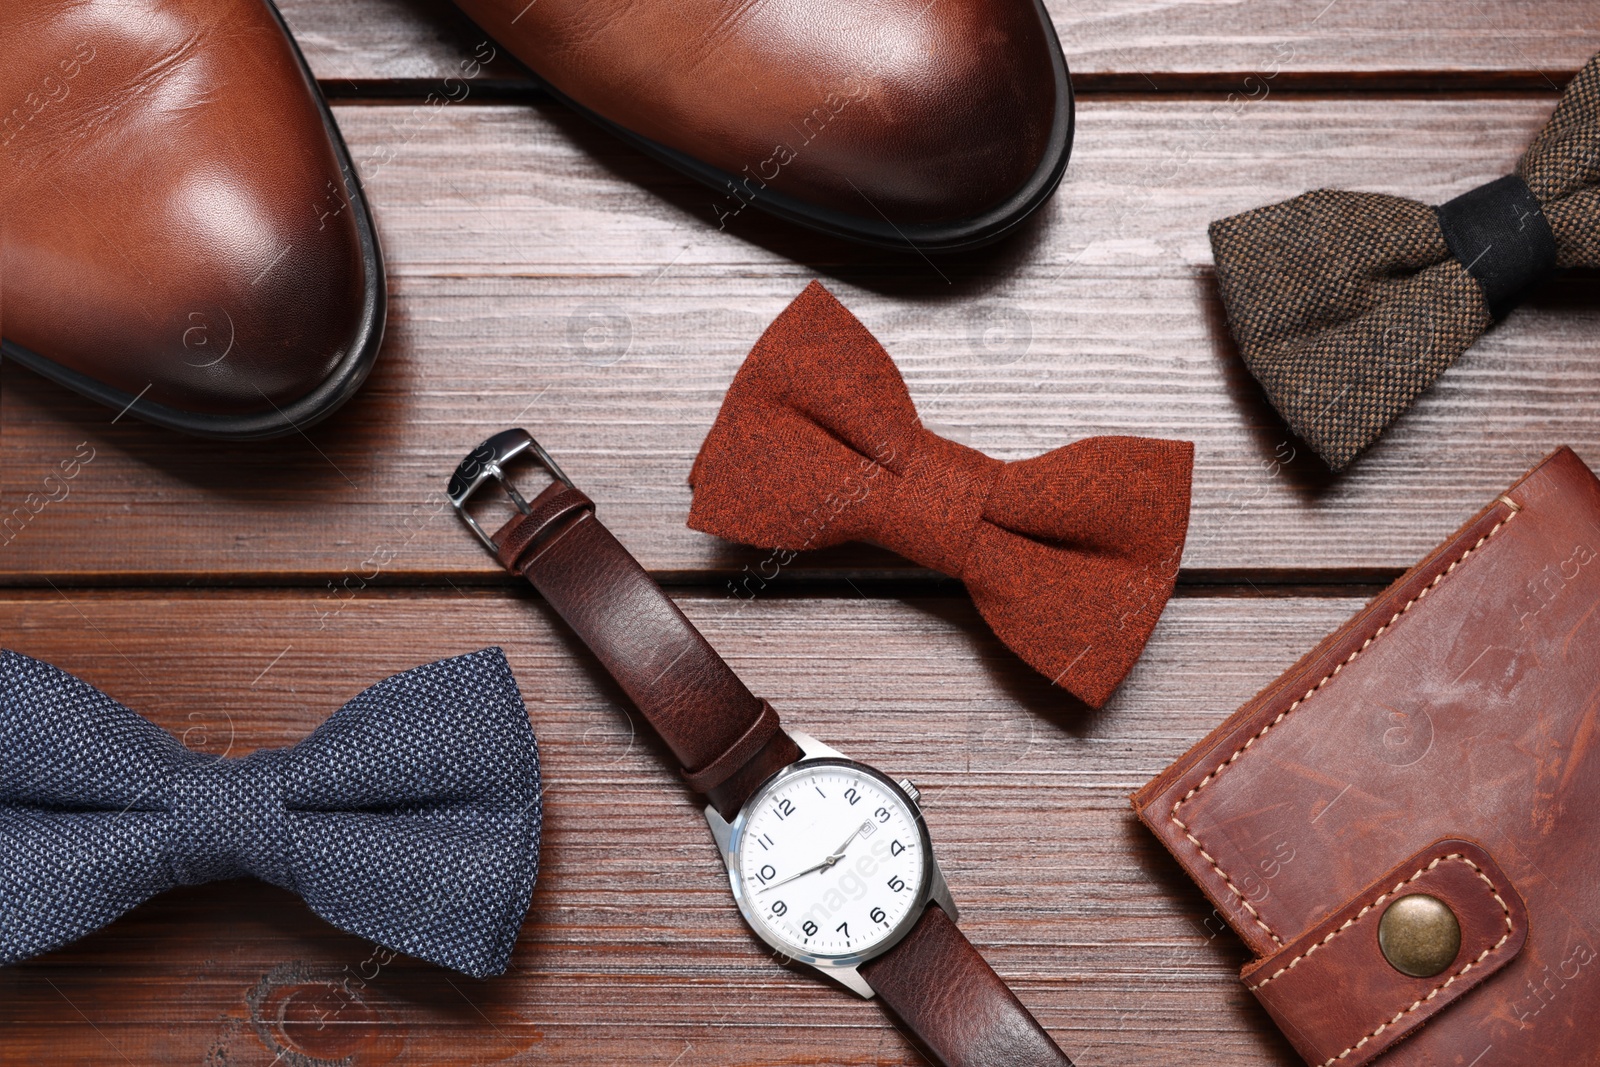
(1499, 233)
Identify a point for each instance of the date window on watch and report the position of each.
(869, 828)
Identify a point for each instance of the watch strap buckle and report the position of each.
(489, 460)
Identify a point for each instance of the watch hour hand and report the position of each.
(834, 857)
(838, 853)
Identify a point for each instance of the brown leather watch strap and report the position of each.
(726, 740)
(962, 1013)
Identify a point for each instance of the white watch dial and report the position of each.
(830, 861)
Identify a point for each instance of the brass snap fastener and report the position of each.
(1419, 935)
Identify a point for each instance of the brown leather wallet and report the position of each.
(732, 749)
(1399, 826)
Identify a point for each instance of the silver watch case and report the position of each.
(842, 969)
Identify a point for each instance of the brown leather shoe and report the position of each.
(942, 124)
(184, 236)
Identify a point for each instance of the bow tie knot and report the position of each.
(1069, 556)
(931, 511)
(228, 819)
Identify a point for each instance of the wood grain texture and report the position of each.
(365, 39)
(633, 951)
(541, 273)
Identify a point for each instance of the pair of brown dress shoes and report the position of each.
(185, 238)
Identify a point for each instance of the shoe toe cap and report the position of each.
(915, 111)
(202, 250)
(950, 124)
(269, 296)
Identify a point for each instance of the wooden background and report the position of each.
(540, 273)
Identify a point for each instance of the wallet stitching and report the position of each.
(1242, 749)
(1358, 916)
(1436, 990)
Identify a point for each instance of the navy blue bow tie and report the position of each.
(410, 817)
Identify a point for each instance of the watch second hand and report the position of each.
(834, 857)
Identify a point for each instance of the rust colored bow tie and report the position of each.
(1346, 306)
(1069, 556)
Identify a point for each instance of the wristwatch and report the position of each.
(829, 859)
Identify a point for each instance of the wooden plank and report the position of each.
(367, 39)
(543, 274)
(633, 952)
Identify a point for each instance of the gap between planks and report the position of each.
(914, 584)
(1176, 86)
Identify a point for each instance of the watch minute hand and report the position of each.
(829, 862)
(834, 857)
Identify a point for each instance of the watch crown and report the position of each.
(910, 790)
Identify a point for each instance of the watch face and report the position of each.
(829, 860)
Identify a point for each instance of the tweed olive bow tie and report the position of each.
(410, 817)
(1346, 306)
(1069, 556)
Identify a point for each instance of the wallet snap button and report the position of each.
(1419, 935)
